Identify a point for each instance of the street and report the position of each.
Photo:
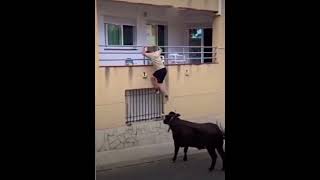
(196, 168)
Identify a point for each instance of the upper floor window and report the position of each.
(119, 34)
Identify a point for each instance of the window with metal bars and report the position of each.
(143, 104)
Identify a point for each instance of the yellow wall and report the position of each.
(219, 32)
(209, 5)
(197, 95)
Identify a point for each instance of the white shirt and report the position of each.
(156, 60)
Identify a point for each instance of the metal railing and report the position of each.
(132, 55)
(143, 104)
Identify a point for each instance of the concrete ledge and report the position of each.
(137, 155)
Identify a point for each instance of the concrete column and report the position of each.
(96, 39)
(101, 31)
(141, 27)
(218, 34)
(96, 49)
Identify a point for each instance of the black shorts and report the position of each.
(160, 74)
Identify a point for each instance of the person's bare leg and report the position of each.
(163, 89)
(154, 83)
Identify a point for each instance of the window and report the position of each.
(200, 37)
(114, 34)
(143, 104)
(195, 39)
(196, 34)
(119, 34)
(127, 35)
(157, 36)
(152, 35)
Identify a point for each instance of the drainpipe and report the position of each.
(219, 7)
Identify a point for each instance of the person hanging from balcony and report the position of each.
(154, 54)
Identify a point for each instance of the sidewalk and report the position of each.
(137, 155)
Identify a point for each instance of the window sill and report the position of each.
(119, 49)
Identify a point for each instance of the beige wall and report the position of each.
(218, 27)
(209, 5)
(198, 95)
(219, 32)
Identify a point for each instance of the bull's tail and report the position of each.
(222, 129)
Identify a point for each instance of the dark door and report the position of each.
(207, 41)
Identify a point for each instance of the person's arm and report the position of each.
(144, 49)
(158, 53)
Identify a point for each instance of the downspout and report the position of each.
(219, 8)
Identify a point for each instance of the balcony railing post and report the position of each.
(184, 57)
(214, 54)
(202, 55)
(144, 58)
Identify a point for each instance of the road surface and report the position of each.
(196, 168)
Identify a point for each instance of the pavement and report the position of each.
(162, 167)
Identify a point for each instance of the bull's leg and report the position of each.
(185, 153)
(176, 149)
(213, 154)
(222, 155)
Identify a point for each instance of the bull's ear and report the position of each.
(178, 115)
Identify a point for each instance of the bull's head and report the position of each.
(171, 116)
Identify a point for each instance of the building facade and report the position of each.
(191, 34)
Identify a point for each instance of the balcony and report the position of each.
(117, 56)
(184, 34)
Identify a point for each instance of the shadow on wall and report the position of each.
(130, 74)
(178, 71)
(107, 75)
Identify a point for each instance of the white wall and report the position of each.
(177, 21)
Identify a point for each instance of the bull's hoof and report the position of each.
(211, 169)
(185, 158)
(174, 160)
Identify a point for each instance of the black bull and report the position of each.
(199, 135)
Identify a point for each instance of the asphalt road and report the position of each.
(196, 168)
